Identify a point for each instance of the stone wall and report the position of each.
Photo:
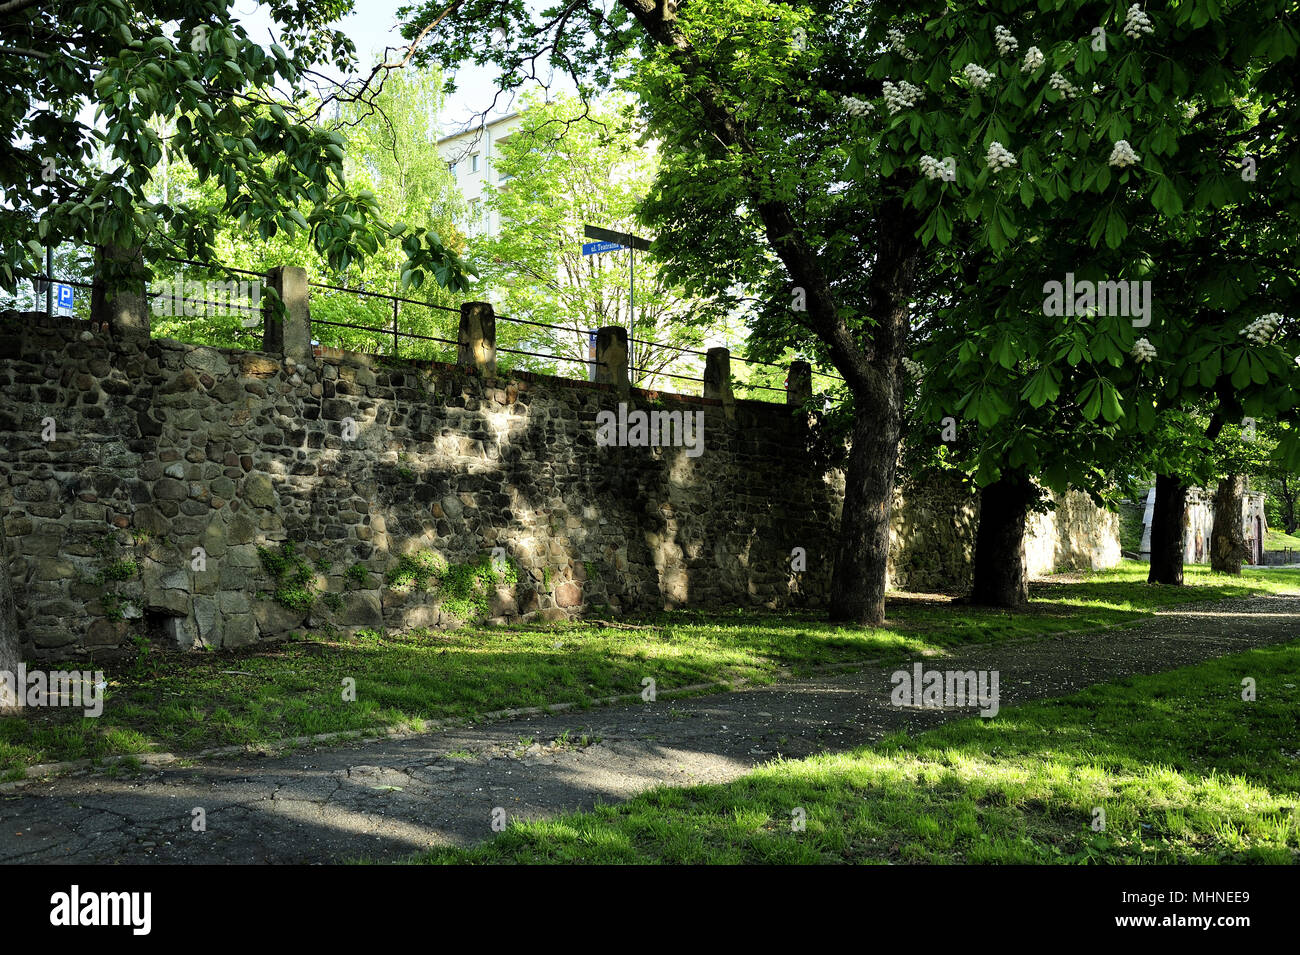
(932, 537)
(160, 448)
(150, 488)
(934, 528)
(1198, 524)
(1075, 535)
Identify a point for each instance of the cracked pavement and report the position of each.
(384, 799)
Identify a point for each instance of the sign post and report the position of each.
(610, 241)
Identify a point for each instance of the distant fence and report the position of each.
(610, 349)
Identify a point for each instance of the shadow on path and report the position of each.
(387, 798)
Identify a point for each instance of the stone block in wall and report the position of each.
(238, 630)
(275, 621)
(362, 608)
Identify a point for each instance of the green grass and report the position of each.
(183, 703)
(1184, 769)
(1280, 540)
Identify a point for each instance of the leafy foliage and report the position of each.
(188, 82)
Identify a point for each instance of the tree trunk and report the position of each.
(1289, 520)
(862, 557)
(862, 561)
(1001, 577)
(8, 629)
(1227, 538)
(866, 354)
(1167, 531)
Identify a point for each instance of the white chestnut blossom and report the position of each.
(902, 95)
(1122, 155)
(898, 43)
(999, 157)
(1006, 42)
(977, 75)
(1063, 86)
(937, 168)
(1137, 23)
(1262, 329)
(1033, 60)
(1143, 351)
(856, 107)
(913, 368)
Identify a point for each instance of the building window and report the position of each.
(451, 167)
(473, 163)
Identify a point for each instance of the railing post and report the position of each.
(717, 379)
(611, 357)
(125, 308)
(478, 338)
(798, 383)
(290, 337)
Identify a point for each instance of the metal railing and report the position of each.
(646, 374)
(736, 384)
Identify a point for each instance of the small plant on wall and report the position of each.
(464, 590)
(293, 580)
(115, 570)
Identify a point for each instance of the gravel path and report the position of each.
(383, 799)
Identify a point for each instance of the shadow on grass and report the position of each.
(1180, 767)
(187, 702)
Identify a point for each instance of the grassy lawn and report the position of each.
(1184, 769)
(188, 702)
(1280, 540)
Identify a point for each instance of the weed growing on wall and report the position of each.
(465, 589)
(292, 575)
(357, 576)
(414, 571)
(114, 570)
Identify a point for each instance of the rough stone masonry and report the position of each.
(122, 455)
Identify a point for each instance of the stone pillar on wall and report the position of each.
(717, 379)
(611, 356)
(798, 383)
(478, 338)
(290, 336)
(119, 297)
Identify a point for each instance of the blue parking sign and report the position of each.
(64, 294)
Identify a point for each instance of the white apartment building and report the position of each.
(471, 155)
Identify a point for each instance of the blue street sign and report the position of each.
(591, 338)
(64, 295)
(595, 248)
